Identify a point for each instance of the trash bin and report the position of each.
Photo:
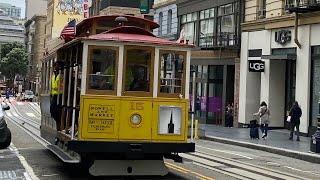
(315, 144)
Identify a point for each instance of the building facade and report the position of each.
(9, 30)
(12, 11)
(34, 7)
(166, 15)
(34, 45)
(213, 27)
(126, 7)
(280, 61)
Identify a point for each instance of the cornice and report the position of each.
(163, 4)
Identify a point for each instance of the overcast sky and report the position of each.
(17, 3)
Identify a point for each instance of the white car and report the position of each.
(28, 95)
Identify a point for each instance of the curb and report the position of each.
(310, 157)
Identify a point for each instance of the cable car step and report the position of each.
(65, 157)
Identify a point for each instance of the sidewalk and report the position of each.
(277, 141)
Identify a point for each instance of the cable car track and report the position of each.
(34, 109)
(27, 120)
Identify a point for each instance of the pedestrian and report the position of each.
(229, 116)
(8, 95)
(264, 114)
(295, 114)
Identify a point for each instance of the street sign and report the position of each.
(144, 6)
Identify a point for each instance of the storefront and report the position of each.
(274, 69)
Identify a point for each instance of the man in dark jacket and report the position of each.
(295, 113)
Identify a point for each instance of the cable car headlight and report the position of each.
(135, 119)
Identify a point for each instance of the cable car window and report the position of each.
(172, 73)
(102, 68)
(139, 69)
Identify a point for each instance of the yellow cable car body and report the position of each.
(124, 105)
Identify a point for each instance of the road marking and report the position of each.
(272, 163)
(50, 175)
(30, 174)
(247, 173)
(15, 114)
(9, 114)
(187, 170)
(225, 152)
(220, 171)
(20, 103)
(31, 114)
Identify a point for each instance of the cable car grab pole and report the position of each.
(193, 100)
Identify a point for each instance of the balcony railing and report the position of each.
(224, 39)
(302, 6)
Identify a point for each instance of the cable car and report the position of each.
(124, 98)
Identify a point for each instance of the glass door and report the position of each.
(215, 95)
(290, 88)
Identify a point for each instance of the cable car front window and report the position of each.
(102, 68)
(138, 70)
(172, 71)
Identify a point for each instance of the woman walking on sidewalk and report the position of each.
(264, 114)
(295, 113)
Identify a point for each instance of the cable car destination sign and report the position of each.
(101, 118)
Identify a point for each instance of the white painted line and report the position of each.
(31, 114)
(15, 114)
(30, 174)
(272, 163)
(9, 114)
(49, 175)
(20, 103)
(225, 152)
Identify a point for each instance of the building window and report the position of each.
(160, 23)
(206, 28)
(261, 9)
(188, 24)
(226, 25)
(169, 21)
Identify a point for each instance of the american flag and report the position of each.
(69, 31)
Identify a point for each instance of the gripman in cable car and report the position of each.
(123, 97)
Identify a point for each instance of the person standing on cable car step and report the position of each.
(56, 90)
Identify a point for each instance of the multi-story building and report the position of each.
(213, 27)
(126, 7)
(280, 61)
(166, 15)
(34, 40)
(34, 44)
(9, 30)
(34, 7)
(12, 11)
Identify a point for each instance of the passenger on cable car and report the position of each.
(56, 90)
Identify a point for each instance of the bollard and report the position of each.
(196, 136)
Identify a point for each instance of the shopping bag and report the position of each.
(289, 119)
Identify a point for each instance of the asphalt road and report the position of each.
(28, 159)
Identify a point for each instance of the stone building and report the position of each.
(127, 7)
(9, 31)
(280, 61)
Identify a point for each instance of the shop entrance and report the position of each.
(290, 89)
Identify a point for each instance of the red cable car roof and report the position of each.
(132, 34)
(152, 24)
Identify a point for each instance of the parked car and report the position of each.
(28, 95)
(5, 133)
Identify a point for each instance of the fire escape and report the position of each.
(302, 6)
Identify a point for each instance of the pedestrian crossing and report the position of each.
(16, 115)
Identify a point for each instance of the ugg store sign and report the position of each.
(256, 66)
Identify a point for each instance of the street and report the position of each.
(26, 158)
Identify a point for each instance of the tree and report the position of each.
(7, 47)
(15, 62)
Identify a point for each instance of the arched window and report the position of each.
(160, 23)
(169, 21)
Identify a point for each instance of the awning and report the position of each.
(280, 57)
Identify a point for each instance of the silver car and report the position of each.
(28, 95)
(5, 133)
